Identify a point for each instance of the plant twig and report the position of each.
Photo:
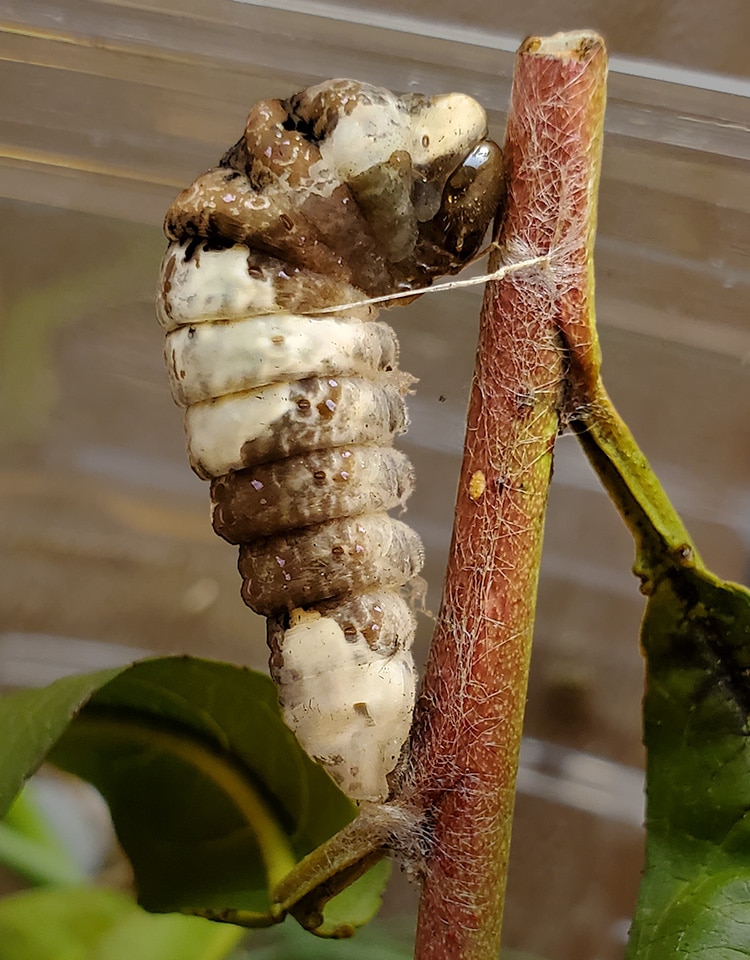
(661, 539)
(469, 716)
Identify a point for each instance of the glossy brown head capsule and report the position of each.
(472, 197)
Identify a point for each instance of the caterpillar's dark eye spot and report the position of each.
(191, 332)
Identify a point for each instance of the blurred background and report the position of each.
(110, 107)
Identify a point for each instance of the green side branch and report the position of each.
(661, 538)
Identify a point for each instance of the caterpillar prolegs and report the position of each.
(341, 193)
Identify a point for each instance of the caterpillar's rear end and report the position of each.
(343, 192)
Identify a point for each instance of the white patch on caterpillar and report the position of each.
(218, 429)
(214, 359)
(365, 137)
(445, 125)
(350, 707)
(210, 285)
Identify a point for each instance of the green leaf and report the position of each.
(83, 923)
(694, 900)
(31, 722)
(695, 896)
(212, 797)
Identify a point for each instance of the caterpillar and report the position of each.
(342, 193)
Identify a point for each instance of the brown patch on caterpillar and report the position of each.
(308, 489)
(347, 233)
(366, 413)
(320, 107)
(274, 422)
(361, 710)
(225, 208)
(308, 292)
(328, 405)
(382, 619)
(273, 147)
(289, 157)
(337, 558)
(167, 274)
(383, 193)
(272, 200)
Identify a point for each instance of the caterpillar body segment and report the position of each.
(341, 193)
(211, 360)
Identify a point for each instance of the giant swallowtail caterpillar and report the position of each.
(341, 193)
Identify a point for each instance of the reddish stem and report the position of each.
(469, 716)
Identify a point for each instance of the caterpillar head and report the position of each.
(352, 182)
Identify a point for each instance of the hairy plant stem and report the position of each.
(535, 339)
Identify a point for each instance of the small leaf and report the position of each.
(84, 923)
